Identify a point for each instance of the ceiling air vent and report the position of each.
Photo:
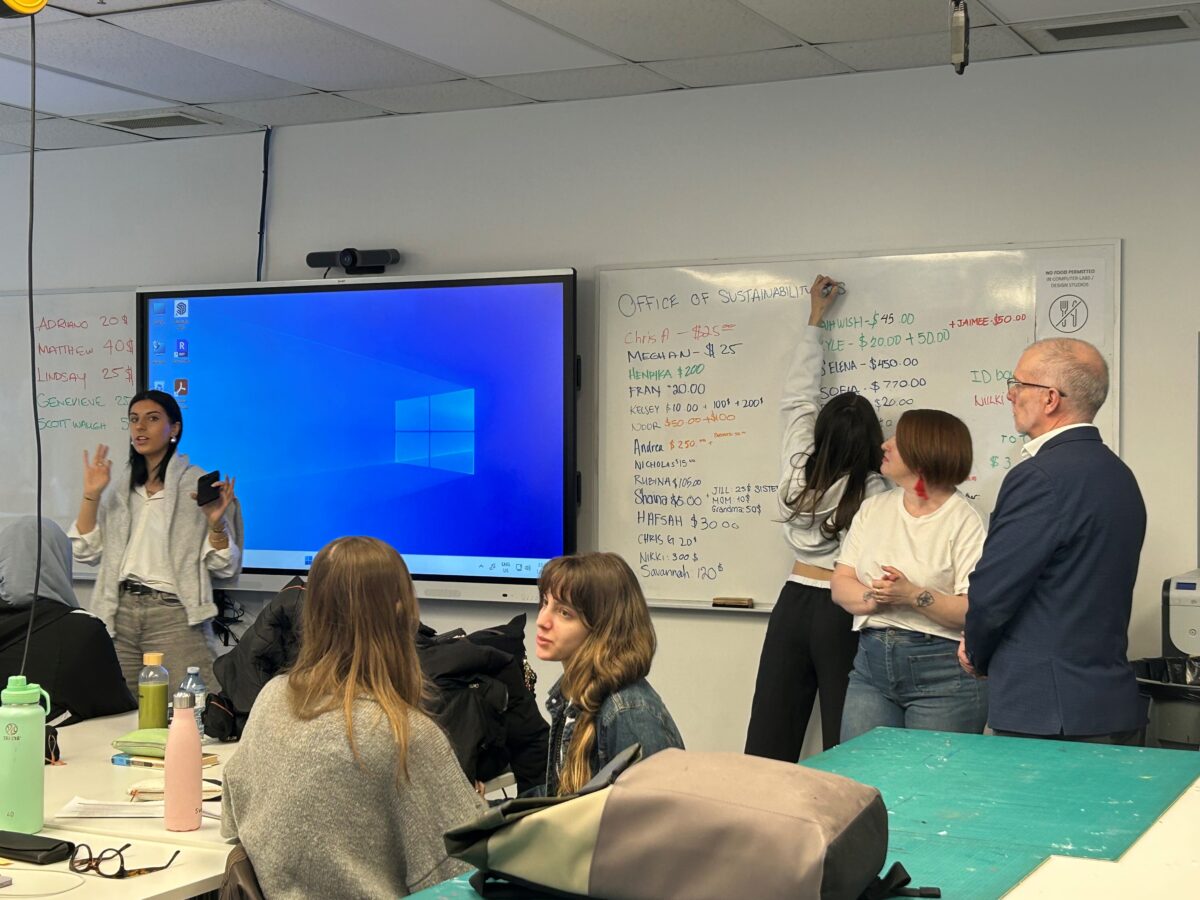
(1131, 28)
(147, 123)
(1111, 29)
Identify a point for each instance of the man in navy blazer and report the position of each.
(1049, 601)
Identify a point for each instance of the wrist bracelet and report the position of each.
(92, 499)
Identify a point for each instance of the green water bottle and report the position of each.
(22, 755)
(153, 686)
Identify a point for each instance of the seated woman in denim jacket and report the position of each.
(593, 619)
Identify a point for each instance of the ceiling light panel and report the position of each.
(101, 51)
(64, 95)
(910, 52)
(642, 30)
(443, 97)
(784, 64)
(477, 37)
(586, 84)
(1033, 10)
(267, 38)
(305, 110)
(827, 21)
(66, 134)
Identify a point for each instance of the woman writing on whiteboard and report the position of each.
(903, 572)
(594, 620)
(831, 458)
(157, 550)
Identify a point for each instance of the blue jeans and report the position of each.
(908, 679)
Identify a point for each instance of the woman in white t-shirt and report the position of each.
(902, 572)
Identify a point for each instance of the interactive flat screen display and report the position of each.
(436, 414)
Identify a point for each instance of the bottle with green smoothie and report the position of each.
(154, 685)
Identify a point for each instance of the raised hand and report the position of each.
(97, 472)
(215, 510)
(821, 295)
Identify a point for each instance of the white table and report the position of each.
(88, 772)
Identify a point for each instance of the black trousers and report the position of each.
(809, 647)
(1134, 738)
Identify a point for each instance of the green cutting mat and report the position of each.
(974, 814)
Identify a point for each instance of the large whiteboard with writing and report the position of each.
(691, 359)
(84, 372)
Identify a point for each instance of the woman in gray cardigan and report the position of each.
(157, 550)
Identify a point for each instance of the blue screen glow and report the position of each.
(435, 416)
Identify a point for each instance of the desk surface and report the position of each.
(975, 815)
(88, 772)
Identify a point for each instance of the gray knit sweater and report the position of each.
(315, 824)
(186, 542)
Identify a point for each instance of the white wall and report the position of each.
(1080, 146)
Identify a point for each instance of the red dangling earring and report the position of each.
(919, 487)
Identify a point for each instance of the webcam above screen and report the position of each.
(435, 413)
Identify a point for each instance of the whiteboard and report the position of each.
(691, 359)
(84, 373)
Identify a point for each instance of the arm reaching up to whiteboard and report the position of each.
(831, 457)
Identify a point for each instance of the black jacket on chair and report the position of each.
(483, 694)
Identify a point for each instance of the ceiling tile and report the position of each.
(101, 51)
(104, 7)
(64, 95)
(212, 123)
(267, 38)
(48, 14)
(442, 97)
(477, 37)
(663, 29)
(826, 21)
(66, 134)
(1031, 10)
(11, 114)
(993, 42)
(305, 110)
(586, 84)
(750, 68)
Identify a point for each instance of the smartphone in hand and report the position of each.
(206, 489)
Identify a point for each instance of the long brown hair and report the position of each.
(358, 624)
(617, 651)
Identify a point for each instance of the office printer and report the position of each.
(1181, 615)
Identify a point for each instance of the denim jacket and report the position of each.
(635, 714)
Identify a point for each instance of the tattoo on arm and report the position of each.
(924, 599)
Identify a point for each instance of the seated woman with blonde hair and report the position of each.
(341, 785)
(594, 620)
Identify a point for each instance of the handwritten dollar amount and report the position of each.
(1000, 462)
(874, 341)
(893, 384)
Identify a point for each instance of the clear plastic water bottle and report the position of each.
(195, 686)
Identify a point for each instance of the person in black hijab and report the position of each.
(70, 653)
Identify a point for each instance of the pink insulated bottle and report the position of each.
(182, 775)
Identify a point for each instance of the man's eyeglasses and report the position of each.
(1015, 382)
(110, 863)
